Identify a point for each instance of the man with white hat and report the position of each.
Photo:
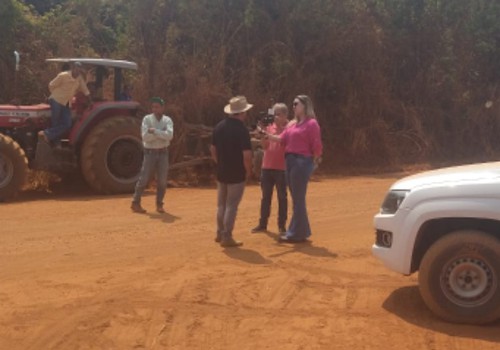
(231, 150)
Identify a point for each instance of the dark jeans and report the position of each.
(60, 121)
(270, 178)
(153, 160)
(298, 171)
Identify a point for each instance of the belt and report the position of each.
(155, 150)
(296, 155)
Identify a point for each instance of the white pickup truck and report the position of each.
(445, 224)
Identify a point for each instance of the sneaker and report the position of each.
(160, 209)
(259, 228)
(136, 208)
(282, 230)
(230, 243)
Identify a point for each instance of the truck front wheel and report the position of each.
(13, 168)
(111, 155)
(459, 277)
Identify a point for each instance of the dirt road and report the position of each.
(82, 272)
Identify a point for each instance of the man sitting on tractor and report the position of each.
(63, 87)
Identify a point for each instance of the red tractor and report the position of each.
(104, 142)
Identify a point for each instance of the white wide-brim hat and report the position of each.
(237, 105)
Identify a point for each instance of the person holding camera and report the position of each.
(273, 172)
(303, 148)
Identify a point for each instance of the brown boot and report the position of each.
(136, 208)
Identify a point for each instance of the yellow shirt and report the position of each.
(64, 87)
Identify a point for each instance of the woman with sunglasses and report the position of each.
(303, 147)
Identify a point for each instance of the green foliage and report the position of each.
(393, 81)
(16, 24)
(43, 6)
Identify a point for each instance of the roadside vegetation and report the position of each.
(395, 82)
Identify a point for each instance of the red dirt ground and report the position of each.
(83, 272)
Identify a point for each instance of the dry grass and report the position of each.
(41, 181)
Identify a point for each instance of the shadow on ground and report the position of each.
(165, 217)
(70, 187)
(76, 193)
(307, 248)
(70, 195)
(407, 304)
(246, 255)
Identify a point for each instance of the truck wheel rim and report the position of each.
(468, 282)
(6, 171)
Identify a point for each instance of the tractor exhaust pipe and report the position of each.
(17, 56)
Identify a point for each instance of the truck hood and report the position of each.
(454, 175)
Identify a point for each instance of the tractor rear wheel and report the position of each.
(13, 168)
(111, 156)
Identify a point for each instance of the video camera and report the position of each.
(265, 118)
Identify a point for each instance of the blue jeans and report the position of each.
(153, 160)
(228, 199)
(60, 121)
(298, 171)
(270, 178)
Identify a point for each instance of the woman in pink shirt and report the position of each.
(302, 142)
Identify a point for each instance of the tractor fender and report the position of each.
(99, 112)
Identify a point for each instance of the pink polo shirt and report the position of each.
(303, 138)
(274, 152)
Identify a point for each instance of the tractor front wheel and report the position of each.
(111, 156)
(13, 168)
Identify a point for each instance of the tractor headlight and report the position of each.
(392, 201)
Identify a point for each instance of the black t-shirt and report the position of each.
(231, 138)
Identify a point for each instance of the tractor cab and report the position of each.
(105, 81)
(102, 69)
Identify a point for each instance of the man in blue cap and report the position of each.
(157, 131)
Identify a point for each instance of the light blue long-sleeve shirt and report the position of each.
(163, 131)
